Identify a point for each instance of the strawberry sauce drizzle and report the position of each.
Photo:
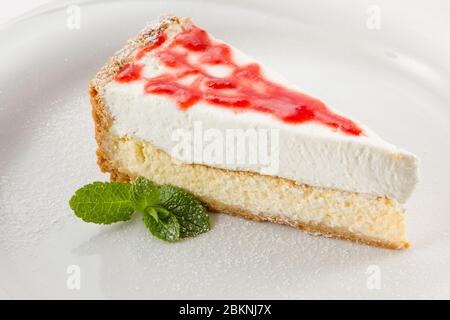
(187, 81)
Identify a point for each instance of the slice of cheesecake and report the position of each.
(180, 107)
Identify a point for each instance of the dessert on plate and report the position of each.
(327, 174)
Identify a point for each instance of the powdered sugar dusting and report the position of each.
(33, 200)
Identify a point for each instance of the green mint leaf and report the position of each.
(164, 227)
(191, 214)
(103, 202)
(144, 194)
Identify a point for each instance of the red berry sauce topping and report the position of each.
(187, 80)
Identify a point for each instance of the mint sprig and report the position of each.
(169, 212)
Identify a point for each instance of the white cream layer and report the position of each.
(310, 153)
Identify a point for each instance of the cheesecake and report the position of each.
(180, 107)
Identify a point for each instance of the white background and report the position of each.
(11, 9)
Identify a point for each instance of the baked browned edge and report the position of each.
(103, 121)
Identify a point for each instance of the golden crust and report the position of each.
(103, 121)
(312, 228)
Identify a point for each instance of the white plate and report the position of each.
(395, 79)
